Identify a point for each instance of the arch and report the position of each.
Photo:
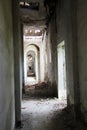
(34, 50)
(30, 57)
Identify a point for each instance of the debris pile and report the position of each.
(40, 85)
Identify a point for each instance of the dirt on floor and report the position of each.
(35, 86)
(40, 89)
(48, 114)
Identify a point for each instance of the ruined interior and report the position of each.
(43, 75)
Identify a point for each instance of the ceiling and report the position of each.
(35, 14)
(33, 31)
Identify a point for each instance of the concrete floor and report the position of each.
(48, 114)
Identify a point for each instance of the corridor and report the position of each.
(48, 114)
(43, 53)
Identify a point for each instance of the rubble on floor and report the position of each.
(40, 85)
(38, 89)
(48, 114)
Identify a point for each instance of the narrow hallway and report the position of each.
(43, 53)
(48, 114)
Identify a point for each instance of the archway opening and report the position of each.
(30, 63)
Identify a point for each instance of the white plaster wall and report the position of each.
(43, 58)
(48, 55)
(82, 52)
(6, 67)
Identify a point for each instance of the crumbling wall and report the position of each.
(72, 28)
(6, 67)
(60, 30)
(65, 34)
(51, 51)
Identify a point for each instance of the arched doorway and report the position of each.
(31, 64)
(30, 57)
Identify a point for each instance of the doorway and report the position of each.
(62, 94)
(31, 64)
